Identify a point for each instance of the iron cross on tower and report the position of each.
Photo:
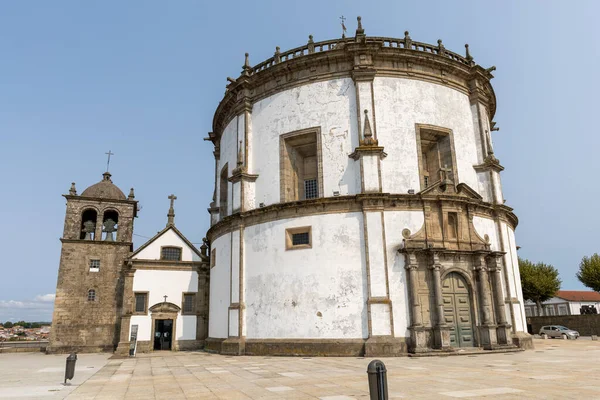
(165, 296)
(342, 18)
(108, 162)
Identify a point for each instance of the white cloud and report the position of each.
(38, 309)
(46, 298)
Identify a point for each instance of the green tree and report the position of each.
(589, 272)
(539, 282)
(8, 324)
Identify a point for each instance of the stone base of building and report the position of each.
(386, 346)
(523, 340)
(79, 349)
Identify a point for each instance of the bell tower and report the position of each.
(96, 240)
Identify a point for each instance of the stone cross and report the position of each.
(109, 228)
(171, 214)
(444, 172)
(165, 297)
(108, 162)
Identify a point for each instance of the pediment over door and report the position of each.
(165, 307)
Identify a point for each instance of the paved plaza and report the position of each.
(556, 369)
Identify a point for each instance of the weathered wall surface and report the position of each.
(402, 103)
(330, 105)
(586, 325)
(169, 238)
(220, 288)
(395, 222)
(172, 284)
(306, 293)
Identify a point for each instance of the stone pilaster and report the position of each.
(418, 333)
(487, 329)
(441, 330)
(503, 329)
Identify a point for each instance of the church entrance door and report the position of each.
(163, 331)
(457, 310)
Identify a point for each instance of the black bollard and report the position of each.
(70, 369)
(377, 380)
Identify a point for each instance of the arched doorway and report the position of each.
(457, 310)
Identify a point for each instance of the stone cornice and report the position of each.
(362, 150)
(99, 199)
(100, 242)
(357, 203)
(361, 60)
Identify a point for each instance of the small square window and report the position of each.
(170, 253)
(141, 302)
(311, 190)
(94, 265)
(188, 303)
(298, 238)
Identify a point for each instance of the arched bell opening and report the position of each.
(110, 225)
(88, 225)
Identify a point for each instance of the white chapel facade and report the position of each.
(358, 207)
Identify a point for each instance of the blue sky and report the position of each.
(143, 79)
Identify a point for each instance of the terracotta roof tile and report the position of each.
(578, 295)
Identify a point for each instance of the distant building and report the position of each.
(566, 302)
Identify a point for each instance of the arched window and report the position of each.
(88, 224)
(91, 295)
(110, 225)
(223, 192)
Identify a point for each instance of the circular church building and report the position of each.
(358, 208)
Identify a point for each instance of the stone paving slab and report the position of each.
(556, 369)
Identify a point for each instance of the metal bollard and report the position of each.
(70, 369)
(377, 380)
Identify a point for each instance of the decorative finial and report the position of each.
(204, 247)
(246, 69)
(441, 48)
(359, 29)
(171, 214)
(240, 157)
(131, 195)
(73, 191)
(311, 44)
(407, 40)
(106, 176)
(277, 56)
(468, 56)
(368, 133)
(310, 39)
(342, 19)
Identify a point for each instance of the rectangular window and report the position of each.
(562, 309)
(94, 265)
(298, 238)
(300, 165)
(170, 253)
(141, 303)
(213, 258)
(527, 311)
(549, 310)
(188, 306)
(436, 156)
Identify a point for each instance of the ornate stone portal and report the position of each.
(454, 279)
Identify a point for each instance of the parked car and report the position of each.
(558, 331)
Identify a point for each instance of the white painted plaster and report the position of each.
(485, 187)
(370, 164)
(235, 266)
(228, 155)
(236, 196)
(395, 222)
(220, 288)
(330, 105)
(173, 284)
(168, 238)
(376, 256)
(400, 104)
(318, 292)
(366, 103)
(234, 322)
(487, 226)
(380, 319)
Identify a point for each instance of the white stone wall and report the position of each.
(306, 293)
(172, 284)
(169, 238)
(220, 288)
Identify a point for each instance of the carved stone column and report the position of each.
(441, 329)
(418, 333)
(487, 330)
(495, 266)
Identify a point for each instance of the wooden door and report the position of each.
(457, 310)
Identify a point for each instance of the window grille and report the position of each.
(91, 295)
(171, 253)
(140, 302)
(188, 303)
(311, 190)
(299, 239)
(95, 265)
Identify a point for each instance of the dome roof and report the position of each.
(104, 189)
